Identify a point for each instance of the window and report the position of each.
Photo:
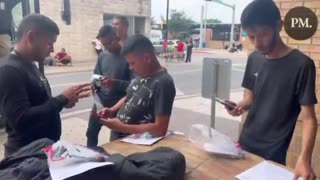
(221, 32)
(17, 15)
(136, 24)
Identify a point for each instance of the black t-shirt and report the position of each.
(280, 87)
(148, 98)
(31, 113)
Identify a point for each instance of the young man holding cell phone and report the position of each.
(114, 67)
(148, 103)
(279, 83)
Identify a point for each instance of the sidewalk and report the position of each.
(221, 53)
(82, 66)
(76, 67)
(197, 110)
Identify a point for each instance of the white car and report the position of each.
(158, 46)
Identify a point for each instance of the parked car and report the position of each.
(158, 46)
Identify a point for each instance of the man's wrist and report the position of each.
(116, 83)
(305, 157)
(113, 112)
(62, 100)
(244, 105)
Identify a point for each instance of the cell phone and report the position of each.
(96, 115)
(225, 103)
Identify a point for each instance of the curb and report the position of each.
(203, 52)
(68, 72)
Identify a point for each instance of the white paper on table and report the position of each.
(230, 150)
(142, 140)
(266, 171)
(64, 172)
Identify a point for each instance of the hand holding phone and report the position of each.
(229, 105)
(96, 115)
(106, 113)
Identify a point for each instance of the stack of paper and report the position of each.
(266, 171)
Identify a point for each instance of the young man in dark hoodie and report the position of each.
(114, 67)
(279, 83)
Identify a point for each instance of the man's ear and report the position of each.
(279, 25)
(147, 57)
(30, 37)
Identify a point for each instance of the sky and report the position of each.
(193, 9)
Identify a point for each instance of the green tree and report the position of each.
(213, 21)
(179, 24)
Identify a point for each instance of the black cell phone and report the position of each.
(225, 103)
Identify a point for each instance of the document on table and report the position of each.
(266, 171)
(142, 139)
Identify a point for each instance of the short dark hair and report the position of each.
(260, 12)
(105, 31)
(37, 23)
(124, 21)
(137, 44)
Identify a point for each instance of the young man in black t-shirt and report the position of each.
(148, 104)
(279, 83)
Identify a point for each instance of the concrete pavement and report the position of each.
(75, 67)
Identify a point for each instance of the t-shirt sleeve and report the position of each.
(164, 96)
(248, 78)
(306, 84)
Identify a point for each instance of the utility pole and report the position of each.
(205, 22)
(201, 27)
(167, 20)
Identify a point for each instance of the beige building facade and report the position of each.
(87, 16)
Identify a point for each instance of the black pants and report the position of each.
(188, 59)
(93, 130)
